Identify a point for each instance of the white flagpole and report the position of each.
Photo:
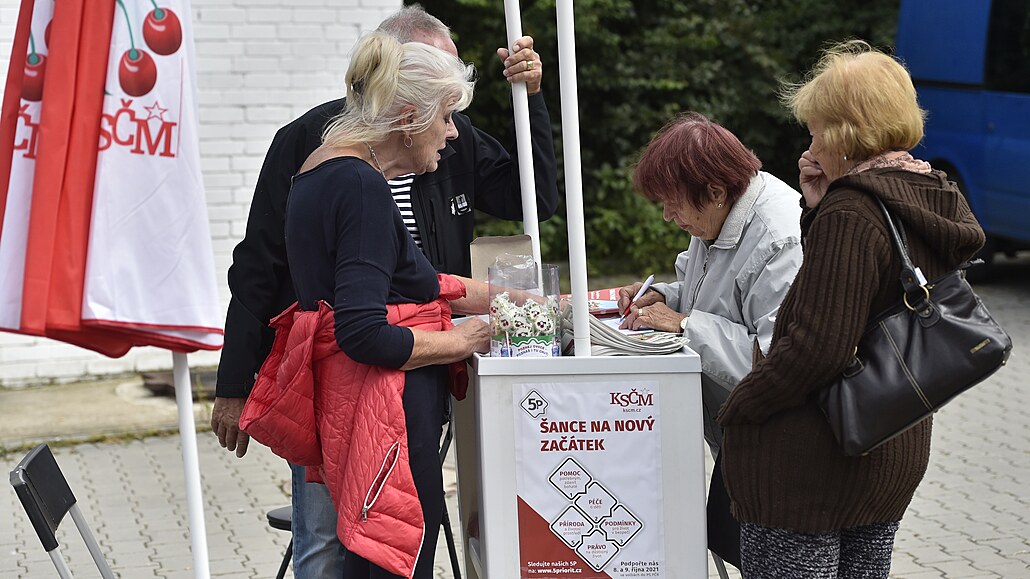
(520, 100)
(191, 466)
(573, 175)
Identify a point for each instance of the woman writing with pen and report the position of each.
(744, 250)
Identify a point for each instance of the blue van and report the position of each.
(970, 60)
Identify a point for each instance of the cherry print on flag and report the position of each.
(35, 71)
(162, 31)
(137, 72)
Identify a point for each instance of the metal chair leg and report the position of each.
(448, 534)
(286, 561)
(451, 547)
(720, 566)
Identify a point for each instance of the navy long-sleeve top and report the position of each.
(347, 245)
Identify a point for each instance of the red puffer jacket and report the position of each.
(314, 406)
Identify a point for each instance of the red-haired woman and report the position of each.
(744, 250)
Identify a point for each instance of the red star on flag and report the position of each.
(155, 111)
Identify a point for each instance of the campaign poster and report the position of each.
(588, 463)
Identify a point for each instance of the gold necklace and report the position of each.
(375, 160)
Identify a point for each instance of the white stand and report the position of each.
(493, 480)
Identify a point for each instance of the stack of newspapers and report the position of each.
(606, 340)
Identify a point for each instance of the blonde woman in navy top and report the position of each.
(347, 243)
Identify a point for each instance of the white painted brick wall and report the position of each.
(260, 63)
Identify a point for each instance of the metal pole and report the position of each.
(520, 100)
(190, 464)
(573, 176)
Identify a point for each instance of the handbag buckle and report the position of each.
(926, 298)
(854, 366)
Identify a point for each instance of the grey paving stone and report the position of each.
(991, 561)
(177, 574)
(928, 554)
(230, 566)
(1011, 570)
(117, 549)
(925, 574)
(142, 572)
(131, 559)
(958, 569)
(902, 563)
(266, 563)
(157, 539)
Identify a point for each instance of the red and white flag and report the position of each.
(19, 140)
(150, 272)
(108, 231)
(104, 240)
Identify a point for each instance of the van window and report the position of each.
(1008, 47)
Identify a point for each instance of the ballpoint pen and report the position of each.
(640, 292)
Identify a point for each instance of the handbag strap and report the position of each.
(911, 276)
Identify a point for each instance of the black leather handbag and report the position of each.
(913, 358)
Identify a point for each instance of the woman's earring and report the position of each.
(845, 157)
(719, 206)
(407, 141)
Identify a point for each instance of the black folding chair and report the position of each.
(282, 519)
(46, 496)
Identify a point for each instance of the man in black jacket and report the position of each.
(475, 173)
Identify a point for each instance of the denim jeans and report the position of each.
(317, 551)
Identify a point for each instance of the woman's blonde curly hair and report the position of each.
(865, 99)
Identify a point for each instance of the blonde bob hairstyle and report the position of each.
(385, 77)
(864, 98)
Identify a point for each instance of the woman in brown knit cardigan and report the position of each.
(806, 509)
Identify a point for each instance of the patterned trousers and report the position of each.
(856, 553)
